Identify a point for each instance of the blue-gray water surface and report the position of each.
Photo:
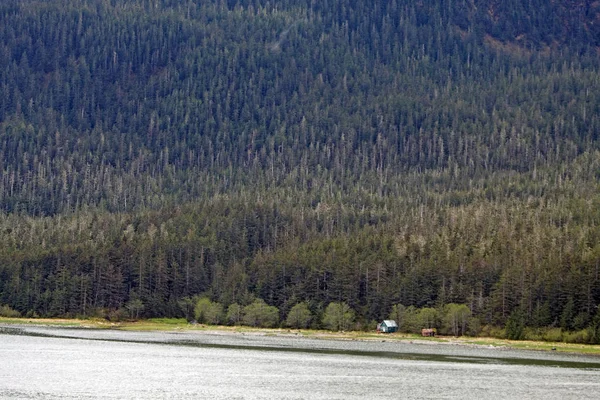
(59, 363)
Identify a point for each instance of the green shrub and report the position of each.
(456, 319)
(534, 333)
(260, 314)
(581, 336)
(234, 314)
(474, 326)
(7, 311)
(299, 316)
(515, 326)
(491, 331)
(553, 335)
(117, 315)
(208, 312)
(338, 317)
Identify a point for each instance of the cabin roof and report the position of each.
(390, 323)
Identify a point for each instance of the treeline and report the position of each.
(539, 258)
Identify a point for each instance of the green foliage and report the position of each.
(167, 321)
(580, 336)
(158, 116)
(8, 312)
(411, 320)
(541, 315)
(208, 312)
(581, 320)
(387, 152)
(515, 325)
(594, 329)
(338, 317)
(234, 314)
(187, 305)
(474, 327)
(456, 318)
(398, 314)
(428, 317)
(135, 307)
(259, 314)
(299, 316)
(117, 315)
(566, 317)
(553, 335)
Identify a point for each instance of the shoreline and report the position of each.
(180, 325)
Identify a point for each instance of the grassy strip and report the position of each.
(174, 324)
(531, 345)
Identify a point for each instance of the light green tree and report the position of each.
(398, 314)
(456, 318)
(299, 316)
(428, 317)
(234, 314)
(134, 306)
(208, 312)
(7, 311)
(260, 314)
(411, 320)
(338, 317)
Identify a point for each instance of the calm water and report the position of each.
(51, 363)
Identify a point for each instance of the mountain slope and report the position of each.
(393, 152)
(127, 103)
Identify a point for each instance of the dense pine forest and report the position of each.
(207, 159)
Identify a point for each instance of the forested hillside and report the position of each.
(378, 154)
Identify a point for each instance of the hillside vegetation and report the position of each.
(392, 153)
